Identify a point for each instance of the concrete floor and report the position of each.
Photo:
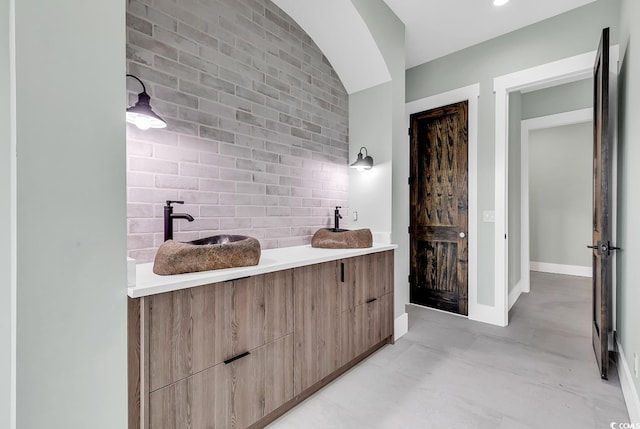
(449, 372)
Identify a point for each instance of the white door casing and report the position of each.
(543, 76)
(469, 93)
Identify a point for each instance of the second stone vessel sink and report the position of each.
(211, 253)
(331, 238)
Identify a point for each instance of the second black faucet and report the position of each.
(336, 218)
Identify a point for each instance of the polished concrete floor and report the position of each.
(449, 372)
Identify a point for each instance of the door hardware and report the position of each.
(604, 248)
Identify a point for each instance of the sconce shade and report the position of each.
(364, 162)
(141, 114)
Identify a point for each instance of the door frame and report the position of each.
(566, 70)
(526, 126)
(470, 94)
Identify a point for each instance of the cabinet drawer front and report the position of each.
(196, 329)
(366, 277)
(377, 317)
(241, 316)
(233, 395)
(365, 326)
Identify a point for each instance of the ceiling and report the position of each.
(435, 28)
(346, 41)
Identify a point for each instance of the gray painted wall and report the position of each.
(71, 332)
(257, 136)
(370, 125)
(628, 269)
(544, 102)
(6, 310)
(515, 171)
(558, 99)
(560, 186)
(391, 197)
(531, 46)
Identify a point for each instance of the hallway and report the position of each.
(448, 372)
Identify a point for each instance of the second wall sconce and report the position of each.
(363, 162)
(140, 114)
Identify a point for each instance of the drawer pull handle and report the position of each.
(235, 280)
(233, 359)
(372, 300)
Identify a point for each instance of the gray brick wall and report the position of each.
(257, 136)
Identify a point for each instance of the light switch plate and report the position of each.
(355, 215)
(489, 216)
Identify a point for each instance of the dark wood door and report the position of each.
(439, 208)
(601, 245)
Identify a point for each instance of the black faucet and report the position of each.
(169, 216)
(336, 218)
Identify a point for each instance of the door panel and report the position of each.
(601, 208)
(439, 208)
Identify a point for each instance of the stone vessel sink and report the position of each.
(211, 253)
(331, 238)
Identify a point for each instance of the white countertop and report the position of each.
(148, 283)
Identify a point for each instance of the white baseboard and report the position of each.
(515, 293)
(569, 270)
(628, 387)
(400, 326)
(487, 314)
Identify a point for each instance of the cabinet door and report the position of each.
(316, 322)
(169, 338)
(364, 278)
(382, 273)
(232, 395)
(357, 277)
(349, 282)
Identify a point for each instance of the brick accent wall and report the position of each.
(257, 136)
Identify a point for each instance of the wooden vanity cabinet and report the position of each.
(239, 354)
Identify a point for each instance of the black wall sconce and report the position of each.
(363, 163)
(140, 114)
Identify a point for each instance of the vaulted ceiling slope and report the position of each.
(344, 38)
